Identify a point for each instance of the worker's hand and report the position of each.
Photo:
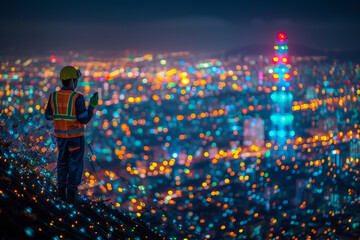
(94, 101)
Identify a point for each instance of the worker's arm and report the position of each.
(48, 110)
(83, 116)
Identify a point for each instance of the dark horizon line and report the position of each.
(252, 49)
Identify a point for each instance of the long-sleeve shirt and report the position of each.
(83, 116)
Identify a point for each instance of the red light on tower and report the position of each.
(275, 59)
(285, 60)
(286, 76)
(281, 37)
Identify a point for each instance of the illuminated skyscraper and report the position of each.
(282, 131)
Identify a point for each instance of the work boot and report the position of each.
(62, 193)
(73, 197)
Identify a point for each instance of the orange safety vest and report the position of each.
(66, 124)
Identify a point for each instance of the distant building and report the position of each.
(199, 155)
(159, 153)
(282, 117)
(311, 93)
(336, 158)
(234, 144)
(254, 132)
(212, 152)
(300, 188)
(324, 126)
(328, 124)
(182, 158)
(355, 151)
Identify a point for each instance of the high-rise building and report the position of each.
(311, 93)
(328, 124)
(282, 118)
(354, 151)
(254, 132)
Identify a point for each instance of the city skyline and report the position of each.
(180, 120)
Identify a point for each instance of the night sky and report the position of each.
(197, 25)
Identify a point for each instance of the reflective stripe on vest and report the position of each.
(70, 131)
(70, 104)
(66, 124)
(64, 117)
(54, 98)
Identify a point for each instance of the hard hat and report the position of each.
(69, 72)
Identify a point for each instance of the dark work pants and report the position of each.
(70, 162)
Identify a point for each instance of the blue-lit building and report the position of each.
(281, 133)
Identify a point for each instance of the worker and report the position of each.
(68, 111)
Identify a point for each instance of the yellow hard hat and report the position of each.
(69, 72)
